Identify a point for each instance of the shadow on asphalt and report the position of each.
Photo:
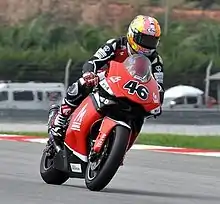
(151, 193)
(160, 194)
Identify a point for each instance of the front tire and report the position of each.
(112, 163)
(49, 174)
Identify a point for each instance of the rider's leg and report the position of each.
(74, 96)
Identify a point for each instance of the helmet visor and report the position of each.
(146, 41)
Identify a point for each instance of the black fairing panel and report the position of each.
(74, 160)
(60, 161)
(63, 161)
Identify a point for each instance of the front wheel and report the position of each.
(99, 173)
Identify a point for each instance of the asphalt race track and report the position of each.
(146, 177)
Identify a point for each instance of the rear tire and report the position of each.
(49, 174)
(112, 163)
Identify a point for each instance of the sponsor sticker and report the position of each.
(76, 167)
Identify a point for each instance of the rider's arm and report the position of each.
(158, 72)
(102, 56)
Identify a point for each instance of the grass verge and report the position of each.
(172, 140)
(38, 134)
(198, 142)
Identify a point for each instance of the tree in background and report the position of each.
(39, 50)
(204, 4)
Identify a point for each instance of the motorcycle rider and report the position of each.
(142, 37)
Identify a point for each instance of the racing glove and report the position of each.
(90, 79)
(155, 112)
(158, 112)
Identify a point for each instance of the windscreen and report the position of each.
(139, 67)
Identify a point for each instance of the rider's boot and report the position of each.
(58, 121)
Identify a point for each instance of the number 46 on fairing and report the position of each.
(134, 87)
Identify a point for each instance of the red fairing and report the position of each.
(82, 119)
(105, 129)
(121, 55)
(144, 93)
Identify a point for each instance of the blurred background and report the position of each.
(43, 44)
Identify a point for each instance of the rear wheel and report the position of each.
(48, 173)
(100, 172)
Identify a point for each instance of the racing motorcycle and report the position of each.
(104, 126)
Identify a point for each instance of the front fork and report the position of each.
(104, 131)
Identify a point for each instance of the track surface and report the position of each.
(146, 177)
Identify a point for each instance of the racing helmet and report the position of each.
(143, 35)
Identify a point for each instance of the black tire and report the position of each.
(51, 175)
(112, 163)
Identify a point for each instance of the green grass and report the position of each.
(38, 134)
(201, 142)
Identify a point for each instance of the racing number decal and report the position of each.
(134, 87)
